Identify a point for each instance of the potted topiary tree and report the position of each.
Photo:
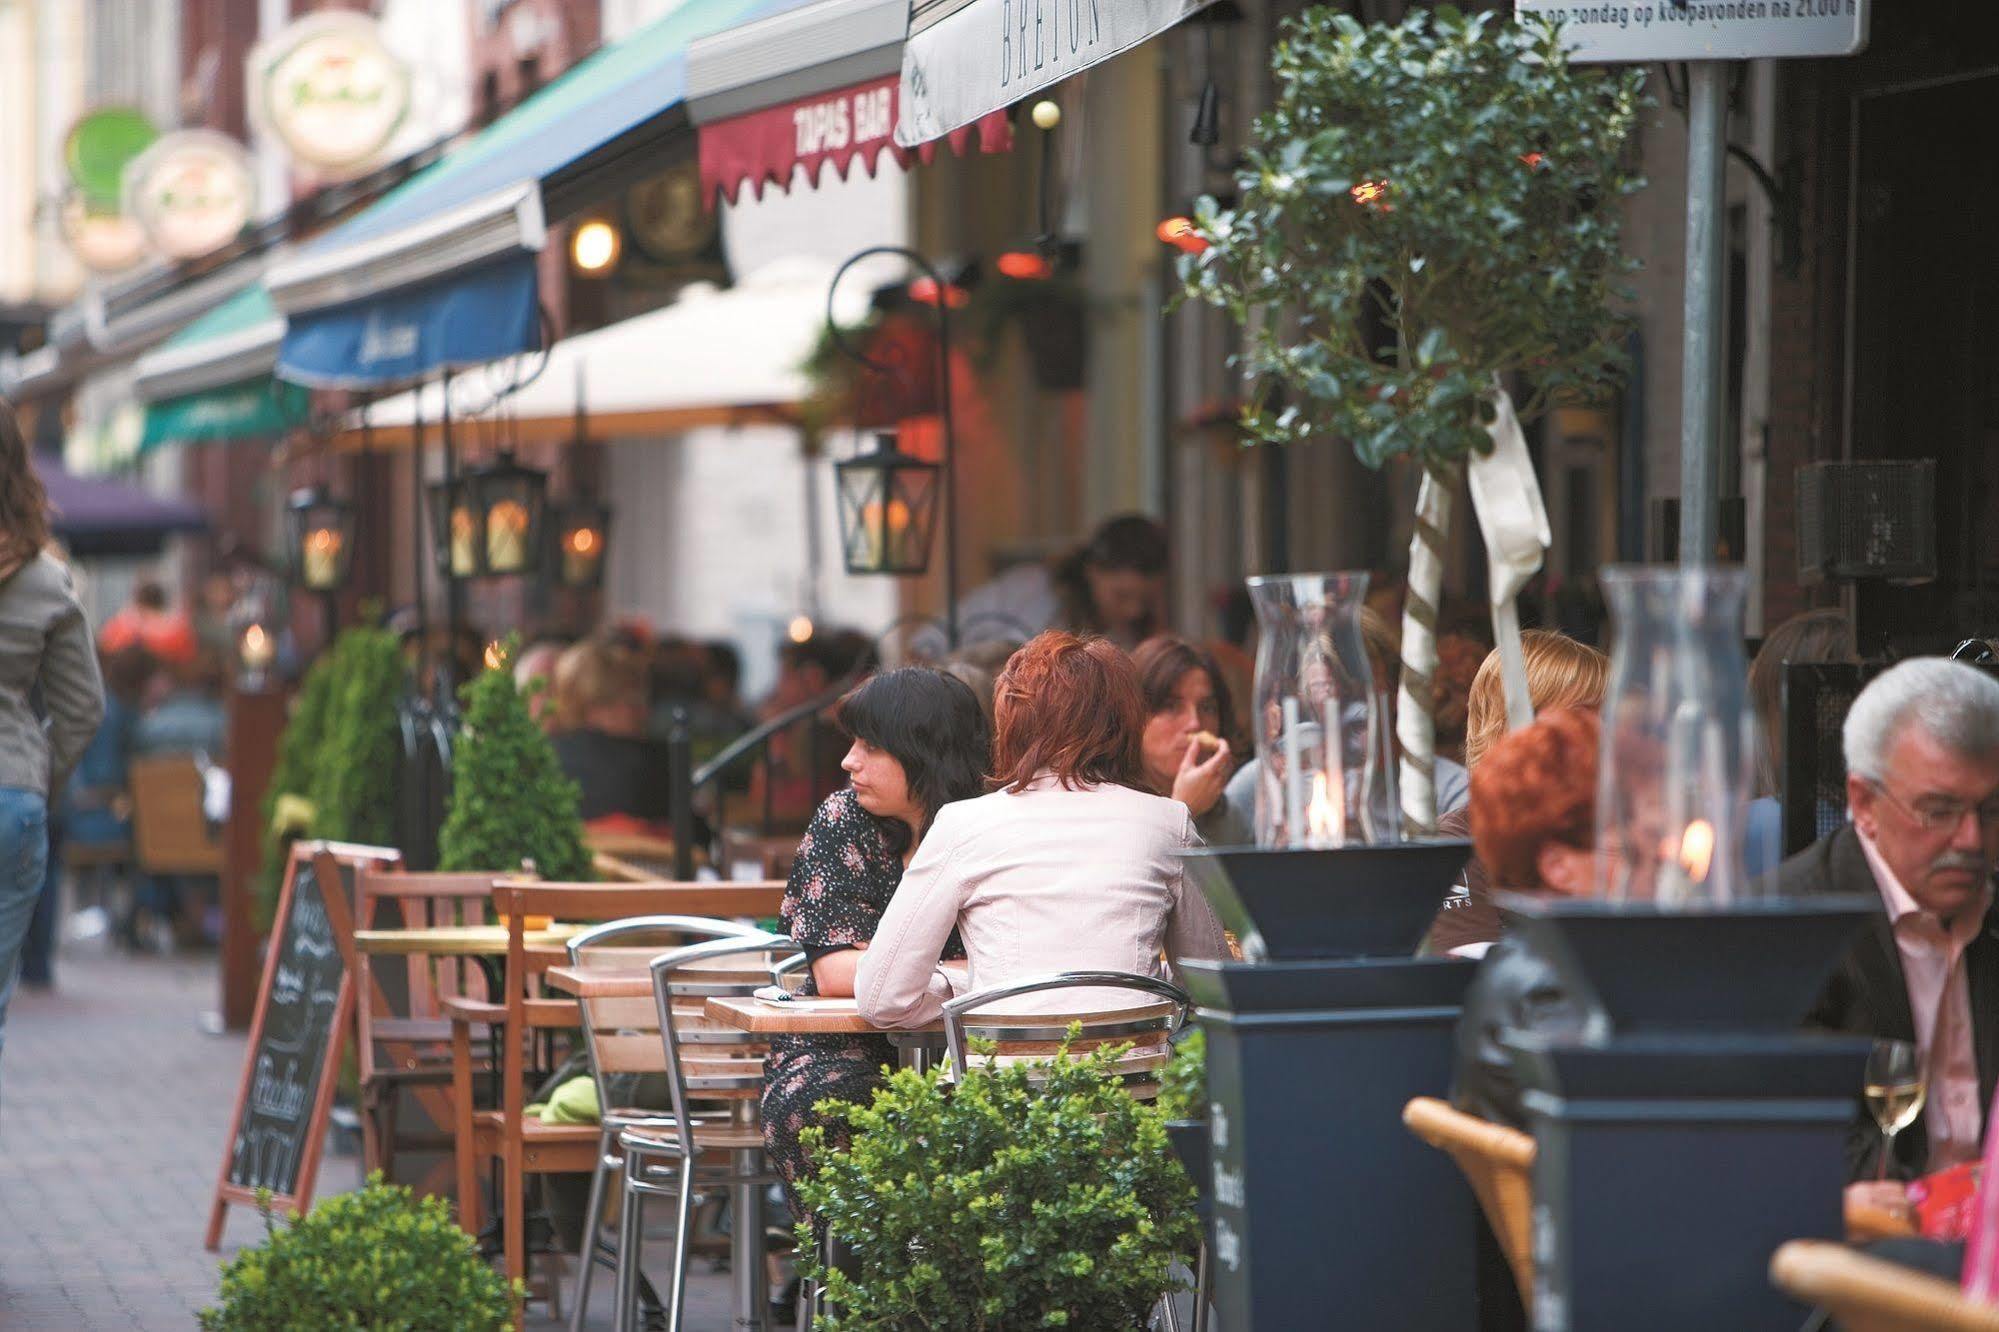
(1000, 1203)
(510, 800)
(357, 767)
(1427, 216)
(379, 1257)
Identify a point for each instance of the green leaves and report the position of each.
(357, 770)
(376, 1258)
(1426, 206)
(1001, 1203)
(510, 799)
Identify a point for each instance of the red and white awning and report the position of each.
(766, 147)
(814, 86)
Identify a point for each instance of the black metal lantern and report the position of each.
(320, 539)
(888, 508)
(487, 520)
(581, 530)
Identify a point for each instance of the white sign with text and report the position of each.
(1647, 30)
(965, 58)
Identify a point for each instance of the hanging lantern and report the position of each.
(487, 520)
(888, 508)
(581, 530)
(320, 538)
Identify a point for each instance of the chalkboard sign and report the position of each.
(304, 1010)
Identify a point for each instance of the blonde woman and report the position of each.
(1561, 673)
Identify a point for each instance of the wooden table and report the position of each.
(461, 940)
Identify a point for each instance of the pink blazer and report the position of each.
(1038, 881)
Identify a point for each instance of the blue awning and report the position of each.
(476, 218)
(469, 318)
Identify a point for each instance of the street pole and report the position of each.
(1702, 341)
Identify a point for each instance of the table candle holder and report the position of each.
(1317, 716)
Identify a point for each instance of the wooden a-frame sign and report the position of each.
(305, 1006)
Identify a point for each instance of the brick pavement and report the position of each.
(113, 1104)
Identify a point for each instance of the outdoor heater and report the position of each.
(487, 520)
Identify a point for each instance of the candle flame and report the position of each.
(583, 540)
(1325, 817)
(1697, 850)
(496, 655)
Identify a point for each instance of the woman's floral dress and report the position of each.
(841, 882)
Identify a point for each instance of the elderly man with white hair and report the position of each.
(1922, 790)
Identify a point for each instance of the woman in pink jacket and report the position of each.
(1071, 864)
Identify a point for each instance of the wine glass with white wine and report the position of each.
(1895, 1089)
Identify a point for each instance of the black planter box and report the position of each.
(1344, 902)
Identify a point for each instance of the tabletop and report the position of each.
(797, 1015)
(632, 977)
(460, 940)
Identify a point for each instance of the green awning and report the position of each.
(212, 380)
(254, 409)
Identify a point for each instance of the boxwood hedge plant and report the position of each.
(510, 799)
(1000, 1203)
(1428, 215)
(378, 1258)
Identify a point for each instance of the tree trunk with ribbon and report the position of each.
(1415, 712)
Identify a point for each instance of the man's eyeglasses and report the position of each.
(1938, 814)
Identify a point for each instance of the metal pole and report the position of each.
(1702, 340)
(447, 665)
(680, 793)
(950, 461)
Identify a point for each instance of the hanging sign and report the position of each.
(968, 58)
(330, 90)
(1620, 30)
(191, 192)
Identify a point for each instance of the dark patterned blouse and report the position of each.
(841, 882)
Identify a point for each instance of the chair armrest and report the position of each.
(463, 1010)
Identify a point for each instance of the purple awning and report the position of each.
(96, 516)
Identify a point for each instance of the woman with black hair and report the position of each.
(920, 741)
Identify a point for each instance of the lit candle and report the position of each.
(322, 559)
(506, 537)
(581, 548)
(1294, 780)
(464, 532)
(258, 650)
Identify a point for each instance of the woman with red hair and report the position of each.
(1533, 822)
(1069, 864)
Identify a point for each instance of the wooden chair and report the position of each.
(526, 1146)
(714, 1139)
(170, 833)
(404, 1036)
(621, 1034)
(1870, 1295)
(1497, 1162)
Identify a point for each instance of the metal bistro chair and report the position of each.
(1034, 1037)
(705, 1061)
(622, 1036)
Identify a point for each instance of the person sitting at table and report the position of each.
(1533, 823)
(1561, 673)
(1071, 864)
(1189, 724)
(920, 741)
(600, 736)
(1922, 789)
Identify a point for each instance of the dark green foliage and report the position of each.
(1429, 208)
(1001, 1204)
(358, 768)
(298, 750)
(378, 1258)
(510, 800)
(1183, 1086)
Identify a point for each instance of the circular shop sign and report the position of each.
(192, 192)
(330, 90)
